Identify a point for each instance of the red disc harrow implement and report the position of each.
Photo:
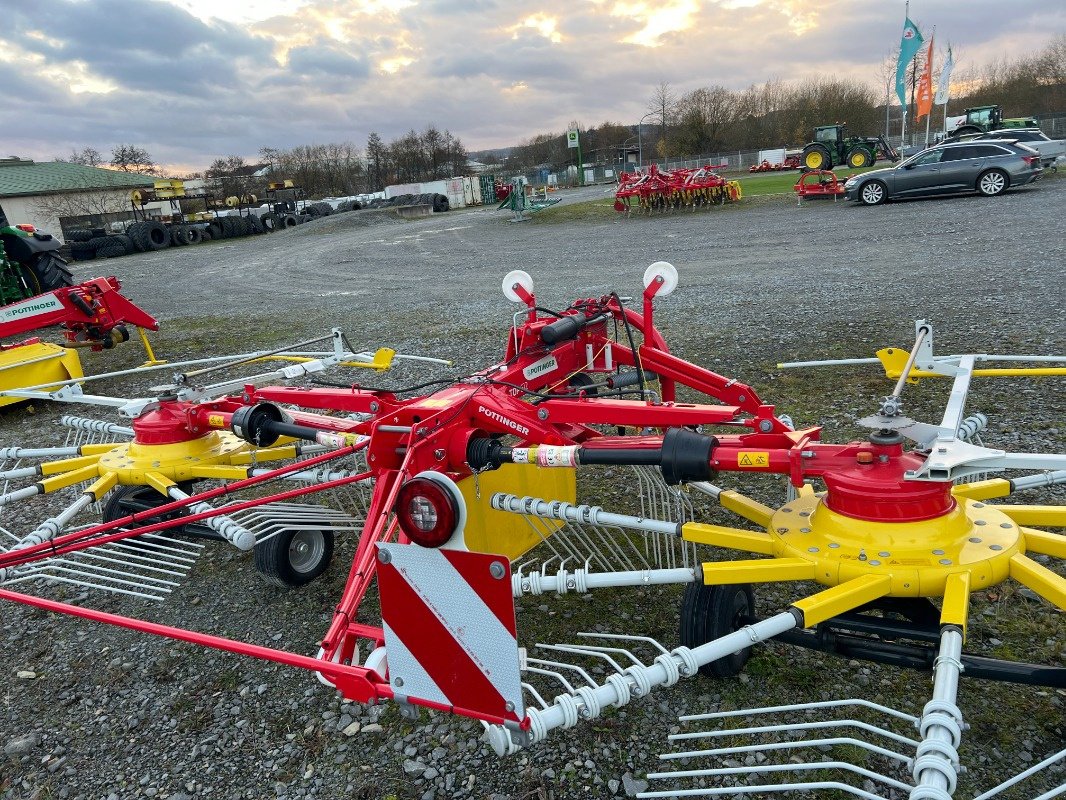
(655, 190)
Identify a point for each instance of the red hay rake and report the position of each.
(660, 191)
(465, 498)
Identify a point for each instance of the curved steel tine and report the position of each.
(536, 695)
(625, 637)
(548, 672)
(563, 665)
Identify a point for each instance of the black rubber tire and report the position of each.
(79, 235)
(229, 227)
(158, 236)
(294, 558)
(136, 233)
(98, 241)
(47, 271)
(356, 206)
(196, 235)
(858, 157)
(126, 241)
(179, 235)
(868, 195)
(288, 221)
(269, 221)
(992, 182)
(112, 249)
(302, 218)
(440, 203)
(711, 612)
(216, 229)
(816, 153)
(125, 500)
(320, 209)
(256, 224)
(206, 233)
(81, 251)
(150, 235)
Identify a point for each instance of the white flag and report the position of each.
(944, 84)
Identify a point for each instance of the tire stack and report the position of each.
(145, 236)
(315, 210)
(438, 201)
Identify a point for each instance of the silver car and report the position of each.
(1051, 150)
(989, 168)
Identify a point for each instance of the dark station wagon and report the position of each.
(989, 168)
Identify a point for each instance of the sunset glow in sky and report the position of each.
(192, 80)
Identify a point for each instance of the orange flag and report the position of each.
(925, 85)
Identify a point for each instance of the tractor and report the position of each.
(29, 262)
(832, 148)
(982, 119)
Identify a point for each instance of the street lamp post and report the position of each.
(640, 144)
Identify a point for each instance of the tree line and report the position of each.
(323, 170)
(778, 113)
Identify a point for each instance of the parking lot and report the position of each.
(121, 715)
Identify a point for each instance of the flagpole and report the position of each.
(929, 69)
(903, 107)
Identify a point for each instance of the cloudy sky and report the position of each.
(192, 80)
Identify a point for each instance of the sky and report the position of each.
(193, 80)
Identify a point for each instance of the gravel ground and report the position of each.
(88, 712)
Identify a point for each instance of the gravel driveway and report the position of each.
(109, 714)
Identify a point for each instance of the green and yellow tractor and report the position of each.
(29, 262)
(832, 147)
(982, 119)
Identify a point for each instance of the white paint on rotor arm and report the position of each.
(237, 535)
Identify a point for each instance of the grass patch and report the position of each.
(763, 183)
(599, 210)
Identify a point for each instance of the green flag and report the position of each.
(908, 46)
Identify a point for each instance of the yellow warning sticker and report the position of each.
(216, 420)
(752, 458)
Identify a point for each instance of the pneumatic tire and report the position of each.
(47, 272)
(993, 182)
(711, 612)
(873, 193)
(294, 558)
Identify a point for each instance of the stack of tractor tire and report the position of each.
(438, 201)
(141, 237)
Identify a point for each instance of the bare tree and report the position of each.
(88, 156)
(130, 158)
(85, 209)
(703, 117)
(662, 106)
(377, 162)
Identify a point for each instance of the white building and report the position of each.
(49, 195)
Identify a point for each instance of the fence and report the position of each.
(1054, 125)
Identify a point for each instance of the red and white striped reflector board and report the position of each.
(449, 627)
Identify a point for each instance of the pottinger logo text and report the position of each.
(500, 418)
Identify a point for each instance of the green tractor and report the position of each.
(30, 263)
(982, 119)
(831, 147)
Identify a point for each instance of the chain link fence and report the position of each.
(1054, 125)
